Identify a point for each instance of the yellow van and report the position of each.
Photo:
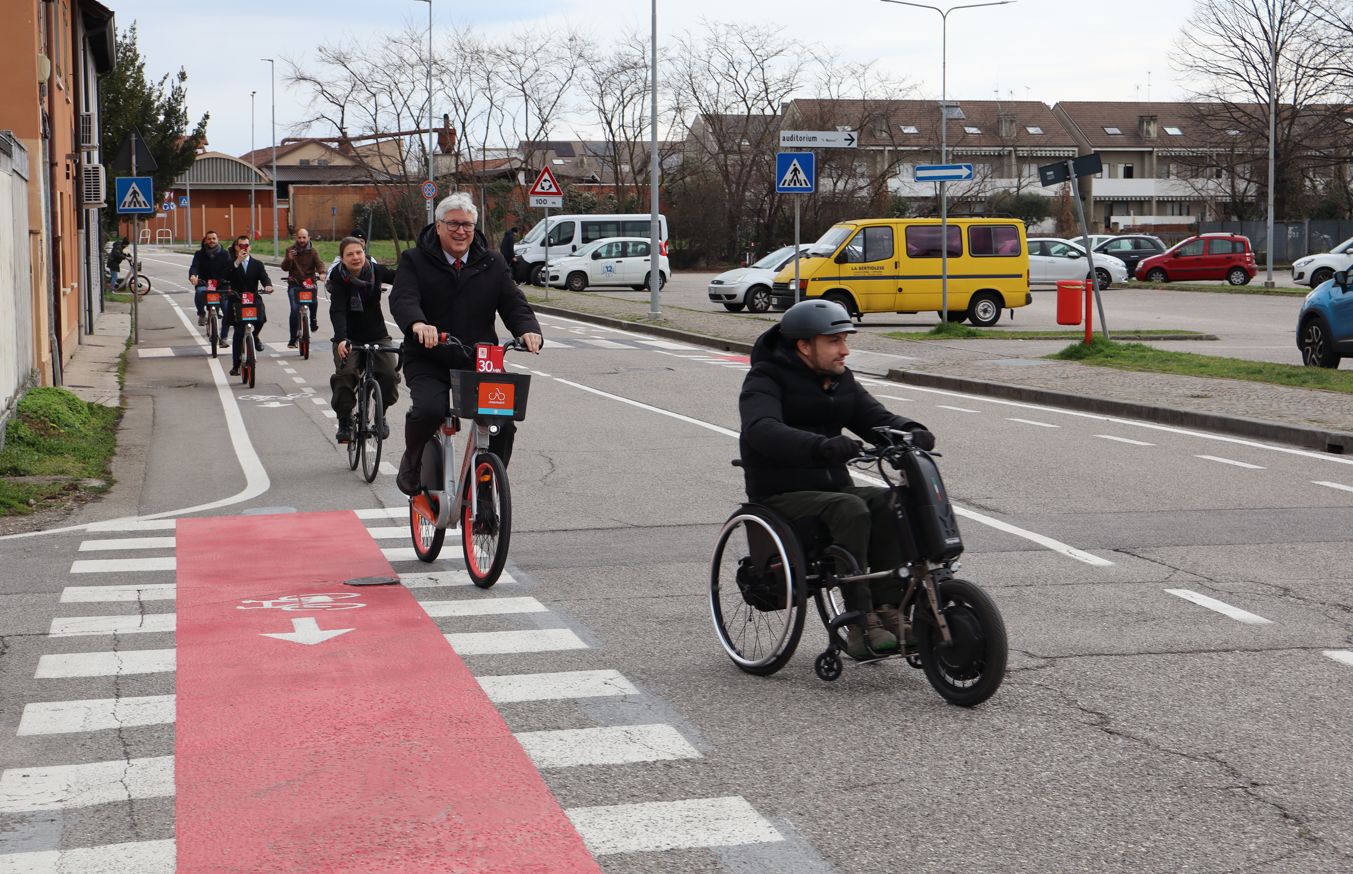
(893, 266)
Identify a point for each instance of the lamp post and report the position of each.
(655, 242)
(273, 64)
(1272, 131)
(253, 165)
(430, 179)
(944, 134)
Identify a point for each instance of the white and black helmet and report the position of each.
(809, 318)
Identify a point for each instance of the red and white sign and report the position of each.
(488, 358)
(546, 191)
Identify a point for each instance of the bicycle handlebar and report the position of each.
(516, 344)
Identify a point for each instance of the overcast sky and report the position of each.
(1046, 50)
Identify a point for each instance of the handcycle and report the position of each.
(478, 500)
(367, 427)
(247, 319)
(213, 304)
(135, 279)
(765, 565)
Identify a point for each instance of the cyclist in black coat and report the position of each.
(212, 261)
(354, 289)
(451, 282)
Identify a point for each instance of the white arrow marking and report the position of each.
(308, 631)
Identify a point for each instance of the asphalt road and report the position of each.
(1137, 730)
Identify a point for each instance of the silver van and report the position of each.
(569, 233)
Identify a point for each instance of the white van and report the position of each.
(569, 233)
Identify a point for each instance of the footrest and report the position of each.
(852, 617)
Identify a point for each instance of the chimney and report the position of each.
(1005, 126)
(344, 144)
(1146, 126)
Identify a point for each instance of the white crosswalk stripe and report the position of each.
(97, 714)
(485, 607)
(137, 623)
(106, 664)
(547, 687)
(141, 857)
(505, 642)
(447, 578)
(610, 745)
(95, 594)
(66, 786)
(128, 543)
(123, 565)
(671, 825)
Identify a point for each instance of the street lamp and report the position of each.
(1272, 131)
(430, 179)
(654, 243)
(944, 133)
(253, 165)
(273, 64)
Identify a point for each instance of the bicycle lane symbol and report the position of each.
(305, 629)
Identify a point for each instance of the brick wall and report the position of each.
(313, 208)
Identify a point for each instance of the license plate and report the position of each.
(305, 296)
(249, 314)
(213, 297)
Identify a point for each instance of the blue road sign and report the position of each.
(943, 172)
(795, 172)
(183, 202)
(133, 195)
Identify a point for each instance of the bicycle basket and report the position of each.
(476, 395)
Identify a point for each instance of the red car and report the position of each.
(1210, 256)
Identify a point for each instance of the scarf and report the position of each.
(359, 285)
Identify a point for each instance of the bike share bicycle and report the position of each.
(214, 311)
(764, 566)
(478, 500)
(305, 296)
(136, 279)
(247, 319)
(367, 428)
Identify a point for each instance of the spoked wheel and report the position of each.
(247, 373)
(371, 430)
(142, 284)
(970, 669)
(756, 592)
(484, 540)
(354, 441)
(427, 537)
(213, 332)
(305, 336)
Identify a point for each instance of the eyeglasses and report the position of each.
(458, 226)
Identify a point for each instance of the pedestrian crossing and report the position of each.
(28, 788)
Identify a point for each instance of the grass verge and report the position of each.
(382, 250)
(956, 331)
(55, 444)
(1138, 356)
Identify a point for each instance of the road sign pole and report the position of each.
(944, 250)
(798, 201)
(1089, 254)
(545, 271)
(136, 262)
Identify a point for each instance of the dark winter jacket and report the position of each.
(301, 265)
(786, 413)
(211, 264)
(427, 290)
(359, 328)
(508, 247)
(117, 254)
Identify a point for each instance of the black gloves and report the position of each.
(838, 449)
(922, 439)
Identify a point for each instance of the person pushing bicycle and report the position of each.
(795, 401)
(355, 309)
(453, 283)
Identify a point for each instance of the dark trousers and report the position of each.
(292, 293)
(430, 404)
(348, 373)
(228, 304)
(862, 523)
(237, 344)
(200, 299)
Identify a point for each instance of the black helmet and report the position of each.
(809, 318)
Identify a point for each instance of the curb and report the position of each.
(1334, 442)
(648, 328)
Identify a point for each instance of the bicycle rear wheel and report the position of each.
(371, 429)
(142, 284)
(484, 540)
(213, 330)
(427, 537)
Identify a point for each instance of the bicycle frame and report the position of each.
(448, 504)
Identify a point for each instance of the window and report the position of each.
(870, 244)
(304, 162)
(1174, 131)
(1120, 245)
(1176, 208)
(923, 241)
(600, 230)
(1192, 247)
(635, 249)
(1225, 247)
(909, 128)
(993, 240)
(1059, 250)
(558, 162)
(1034, 129)
(610, 250)
(972, 129)
(1035, 247)
(636, 229)
(1126, 172)
(561, 233)
(1112, 131)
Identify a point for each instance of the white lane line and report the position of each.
(1342, 656)
(1032, 422)
(95, 594)
(1124, 440)
(320, 401)
(62, 787)
(143, 857)
(137, 623)
(388, 469)
(1340, 486)
(95, 714)
(400, 553)
(956, 409)
(331, 414)
(605, 344)
(1221, 607)
(298, 379)
(288, 370)
(551, 687)
(671, 825)
(446, 578)
(507, 642)
(383, 513)
(609, 745)
(122, 565)
(1229, 461)
(483, 607)
(726, 432)
(128, 543)
(896, 398)
(106, 664)
(667, 344)
(402, 533)
(134, 525)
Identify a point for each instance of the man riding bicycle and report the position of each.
(795, 400)
(453, 283)
(355, 310)
(302, 262)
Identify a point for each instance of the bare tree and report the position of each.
(537, 84)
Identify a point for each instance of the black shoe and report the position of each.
(201, 320)
(409, 480)
(385, 429)
(258, 344)
(235, 371)
(291, 344)
(314, 325)
(343, 435)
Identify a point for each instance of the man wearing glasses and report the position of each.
(453, 283)
(246, 275)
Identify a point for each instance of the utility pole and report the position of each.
(253, 179)
(430, 179)
(655, 242)
(275, 251)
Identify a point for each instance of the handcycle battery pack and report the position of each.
(476, 395)
(927, 503)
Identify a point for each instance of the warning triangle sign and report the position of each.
(545, 184)
(133, 199)
(795, 177)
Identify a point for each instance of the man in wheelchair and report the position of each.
(795, 400)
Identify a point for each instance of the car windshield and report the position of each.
(1343, 247)
(774, 259)
(827, 243)
(535, 233)
(587, 250)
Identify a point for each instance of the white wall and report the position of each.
(16, 281)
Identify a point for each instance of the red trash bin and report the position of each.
(1069, 293)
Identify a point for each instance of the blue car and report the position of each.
(1325, 323)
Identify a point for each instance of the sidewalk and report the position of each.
(91, 373)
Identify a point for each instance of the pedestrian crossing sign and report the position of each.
(133, 195)
(795, 172)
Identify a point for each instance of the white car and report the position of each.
(613, 261)
(1052, 259)
(750, 287)
(1317, 269)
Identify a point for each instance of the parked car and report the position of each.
(1209, 256)
(750, 287)
(569, 233)
(613, 261)
(1096, 240)
(1052, 259)
(1319, 269)
(1131, 250)
(1325, 322)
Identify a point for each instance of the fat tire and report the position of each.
(1237, 276)
(577, 281)
(494, 534)
(1316, 344)
(980, 641)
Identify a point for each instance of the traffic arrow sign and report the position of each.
(307, 631)
(943, 172)
(819, 139)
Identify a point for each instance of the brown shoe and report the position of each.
(892, 620)
(880, 639)
(409, 479)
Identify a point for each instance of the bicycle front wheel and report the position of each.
(371, 429)
(142, 284)
(249, 374)
(213, 330)
(305, 336)
(484, 538)
(969, 670)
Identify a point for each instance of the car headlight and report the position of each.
(1302, 262)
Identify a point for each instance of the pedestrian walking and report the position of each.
(509, 249)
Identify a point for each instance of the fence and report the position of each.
(16, 284)
(1291, 240)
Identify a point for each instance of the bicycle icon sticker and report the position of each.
(497, 396)
(307, 603)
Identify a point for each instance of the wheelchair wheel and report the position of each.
(970, 670)
(756, 591)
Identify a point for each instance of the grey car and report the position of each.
(749, 287)
(1131, 249)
